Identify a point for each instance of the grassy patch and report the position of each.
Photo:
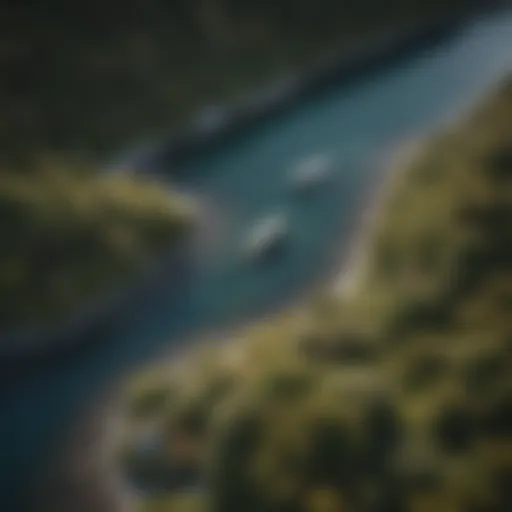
(72, 237)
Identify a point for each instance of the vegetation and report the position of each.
(71, 237)
(79, 84)
(395, 398)
(82, 82)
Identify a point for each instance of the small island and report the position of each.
(395, 397)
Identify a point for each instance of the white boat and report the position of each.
(312, 172)
(266, 236)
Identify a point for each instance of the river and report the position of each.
(356, 124)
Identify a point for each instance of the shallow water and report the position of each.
(355, 124)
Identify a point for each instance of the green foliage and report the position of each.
(149, 402)
(83, 82)
(175, 502)
(399, 396)
(70, 238)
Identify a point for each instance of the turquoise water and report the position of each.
(355, 124)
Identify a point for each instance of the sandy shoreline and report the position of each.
(351, 274)
(396, 161)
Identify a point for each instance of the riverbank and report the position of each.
(272, 99)
(344, 274)
(351, 273)
(377, 50)
(340, 279)
(234, 352)
(73, 78)
(76, 246)
(232, 349)
(397, 160)
(373, 346)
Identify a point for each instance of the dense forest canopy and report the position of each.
(82, 79)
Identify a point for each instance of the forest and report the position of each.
(82, 81)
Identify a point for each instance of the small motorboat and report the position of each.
(266, 237)
(311, 172)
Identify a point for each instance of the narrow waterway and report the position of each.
(355, 124)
